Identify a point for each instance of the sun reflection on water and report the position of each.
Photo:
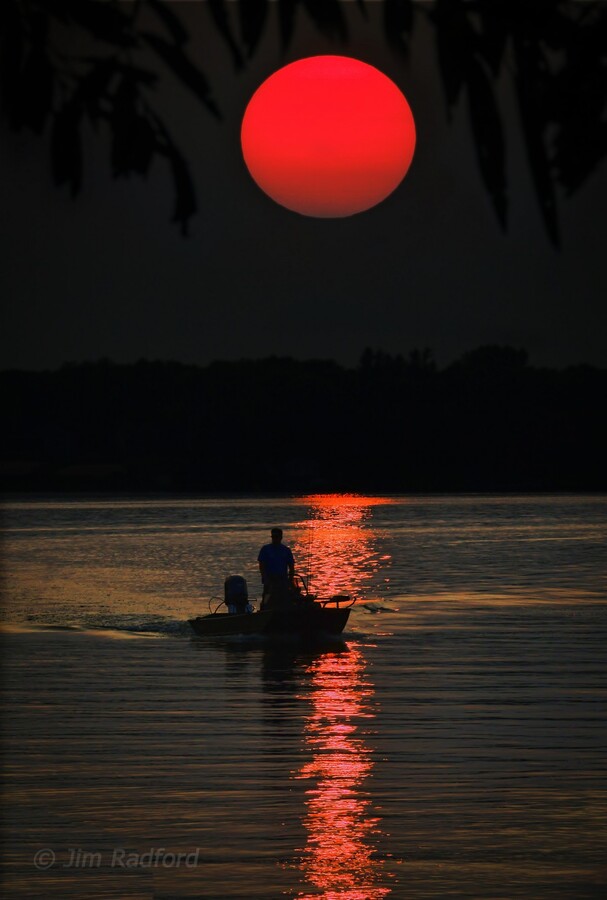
(340, 856)
(337, 546)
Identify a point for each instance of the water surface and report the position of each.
(453, 744)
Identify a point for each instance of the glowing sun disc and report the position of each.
(328, 136)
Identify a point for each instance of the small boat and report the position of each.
(298, 614)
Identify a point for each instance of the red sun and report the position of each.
(328, 136)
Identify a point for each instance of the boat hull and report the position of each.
(226, 624)
(309, 621)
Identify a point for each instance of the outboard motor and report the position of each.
(236, 594)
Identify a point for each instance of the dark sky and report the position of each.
(108, 275)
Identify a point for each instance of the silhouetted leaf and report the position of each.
(34, 92)
(124, 111)
(172, 21)
(106, 21)
(134, 140)
(363, 9)
(185, 194)
(58, 9)
(556, 24)
(94, 86)
(494, 19)
(398, 23)
(184, 69)
(136, 73)
(252, 14)
(143, 145)
(578, 103)
(133, 147)
(578, 154)
(528, 86)
(11, 52)
(66, 147)
(455, 42)
(328, 17)
(221, 19)
(286, 20)
(488, 136)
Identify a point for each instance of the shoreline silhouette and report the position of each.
(489, 421)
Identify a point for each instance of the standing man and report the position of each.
(277, 567)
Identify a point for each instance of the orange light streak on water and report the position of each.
(338, 547)
(339, 857)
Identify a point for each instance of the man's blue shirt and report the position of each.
(276, 559)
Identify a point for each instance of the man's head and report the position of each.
(276, 535)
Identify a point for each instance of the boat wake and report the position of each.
(116, 626)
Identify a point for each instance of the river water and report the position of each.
(453, 744)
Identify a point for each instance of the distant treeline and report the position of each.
(488, 422)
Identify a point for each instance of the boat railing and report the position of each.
(341, 601)
(218, 600)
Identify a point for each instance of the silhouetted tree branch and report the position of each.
(66, 61)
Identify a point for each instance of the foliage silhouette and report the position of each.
(488, 422)
(552, 50)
